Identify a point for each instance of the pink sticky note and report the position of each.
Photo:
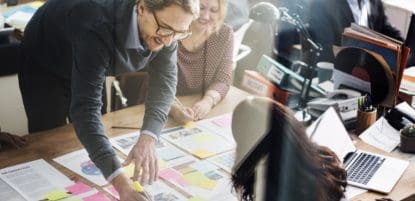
(169, 174)
(224, 122)
(172, 175)
(97, 197)
(78, 188)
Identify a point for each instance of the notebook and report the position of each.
(364, 169)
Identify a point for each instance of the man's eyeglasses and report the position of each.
(165, 32)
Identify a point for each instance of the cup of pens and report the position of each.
(366, 114)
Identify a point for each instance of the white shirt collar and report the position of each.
(360, 15)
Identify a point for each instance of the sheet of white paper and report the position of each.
(33, 180)
(79, 162)
(199, 141)
(352, 192)
(404, 107)
(8, 193)
(19, 19)
(381, 135)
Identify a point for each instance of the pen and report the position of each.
(126, 127)
(179, 102)
(137, 187)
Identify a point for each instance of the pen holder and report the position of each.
(365, 120)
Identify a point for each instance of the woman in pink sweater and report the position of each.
(205, 62)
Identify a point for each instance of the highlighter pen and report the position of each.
(137, 187)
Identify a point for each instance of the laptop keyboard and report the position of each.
(363, 168)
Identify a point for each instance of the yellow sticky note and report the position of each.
(138, 187)
(57, 195)
(129, 170)
(162, 164)
(36, 4)
(210, 185)
(203, 138)
(196, 198)
(195, 178)
(189, 124)
(202, 153)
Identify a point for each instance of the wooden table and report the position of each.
(56, 142)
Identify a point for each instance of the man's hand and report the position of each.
(145, 158)
(124, 187)
(201, 108)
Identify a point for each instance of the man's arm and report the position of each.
(91, 53)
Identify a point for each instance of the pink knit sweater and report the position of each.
(212, 63)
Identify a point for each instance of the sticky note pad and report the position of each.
(209, 185)
(78, 188)
(196, 198)
(137, 187)
(57, 195)
(189, 124)
(202, 153)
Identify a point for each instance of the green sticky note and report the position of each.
(57, 195)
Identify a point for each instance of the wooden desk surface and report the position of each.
(56, 142)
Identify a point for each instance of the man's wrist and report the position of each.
(150, 134)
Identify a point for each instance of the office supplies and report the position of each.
(137, 187)
(285, 78)
(126, 127)
(225, 160)
(364, 169)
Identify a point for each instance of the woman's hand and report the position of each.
(182, 115)
(202, 108)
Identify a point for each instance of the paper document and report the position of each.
(220, 125)
(404, 107)
(35, 179)
(381, 135)
(79, 162)
(225, 161)
(168, 155)
(8, 193)
(199, 141)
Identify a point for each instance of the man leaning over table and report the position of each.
(68, 49)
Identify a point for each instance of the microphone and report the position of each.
(264, 12)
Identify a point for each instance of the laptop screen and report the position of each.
(329, 131)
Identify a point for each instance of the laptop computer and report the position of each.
(364, 169)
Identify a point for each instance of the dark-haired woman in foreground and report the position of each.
(276, 160)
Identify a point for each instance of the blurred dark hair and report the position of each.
(297, 169)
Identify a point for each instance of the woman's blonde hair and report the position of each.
(223, 6)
